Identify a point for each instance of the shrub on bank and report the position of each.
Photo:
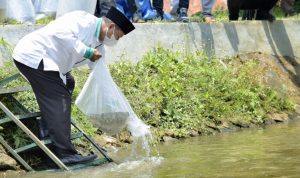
(172, 90)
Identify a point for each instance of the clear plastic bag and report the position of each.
(102, 100)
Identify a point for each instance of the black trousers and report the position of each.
(235, 5)
(183, 4)
(54, 100)
(132, 6)
(159, 4)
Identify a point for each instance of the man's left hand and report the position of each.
(97, 55)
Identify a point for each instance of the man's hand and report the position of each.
(97, 55)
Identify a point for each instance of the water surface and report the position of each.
(270, 152)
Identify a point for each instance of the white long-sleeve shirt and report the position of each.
(61, 44)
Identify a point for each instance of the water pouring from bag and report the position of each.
(137, 128)
(140, 132)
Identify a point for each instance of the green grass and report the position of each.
(10, 22)
(42, 21)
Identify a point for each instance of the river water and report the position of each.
(270, 152)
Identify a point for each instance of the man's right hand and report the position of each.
(97, 55)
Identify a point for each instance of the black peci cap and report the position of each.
(120, 19)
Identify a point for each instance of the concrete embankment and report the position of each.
(217, 39)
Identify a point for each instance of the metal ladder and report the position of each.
(25, 114)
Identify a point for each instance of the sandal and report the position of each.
(209, 19)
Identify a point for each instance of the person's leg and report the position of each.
(264, 13)
(268, 4)
(54, 100)
(207, 6)
(132, 6)
(182, 10)
(70, 84)
(174, 7)
(158, 6)
(234, 9)
(184, 4)
(135, 10)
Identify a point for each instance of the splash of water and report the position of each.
(141, 136)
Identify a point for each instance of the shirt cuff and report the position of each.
(89, 52)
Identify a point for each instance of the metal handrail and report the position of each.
(33, 137)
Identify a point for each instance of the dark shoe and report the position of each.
(157, 15)
(137, 17)
(77, 158)
(183, 15)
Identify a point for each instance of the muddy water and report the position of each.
(270, 152)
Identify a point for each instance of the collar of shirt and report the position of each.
(98, 29)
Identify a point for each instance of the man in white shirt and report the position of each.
(46, 56)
